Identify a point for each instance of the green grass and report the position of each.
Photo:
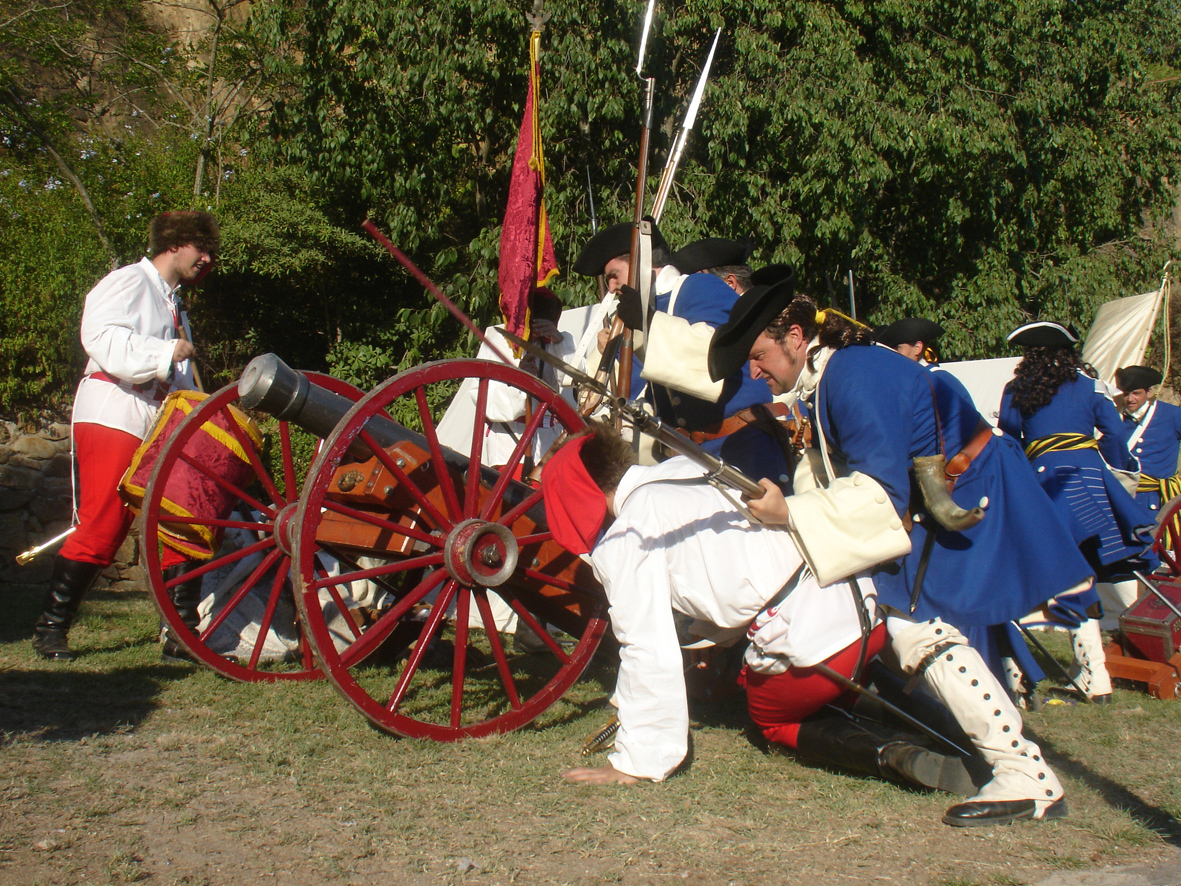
(176, 774)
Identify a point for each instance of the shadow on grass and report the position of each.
(66, 705)
(1114, 794)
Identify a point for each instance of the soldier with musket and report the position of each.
(988, 552)
(733, 417)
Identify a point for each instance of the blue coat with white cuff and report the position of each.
(878, 412)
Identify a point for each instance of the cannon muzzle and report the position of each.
(270, 385)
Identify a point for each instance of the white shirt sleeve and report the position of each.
(653, 735)
(124, 328)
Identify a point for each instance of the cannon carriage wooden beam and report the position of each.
(427, 534)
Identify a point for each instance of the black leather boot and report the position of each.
(186, 597)
(68, 584)
(845, 742)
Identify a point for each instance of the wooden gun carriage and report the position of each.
(430, 532)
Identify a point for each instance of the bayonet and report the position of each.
(644, 37)
(670, 169)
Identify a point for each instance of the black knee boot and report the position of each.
(186, 597)
(68, 584)
(844, 742)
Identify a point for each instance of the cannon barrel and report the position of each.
(270, 385)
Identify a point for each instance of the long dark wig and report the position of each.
(1040, 374)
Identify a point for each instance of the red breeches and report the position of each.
(103, 455)
(778, 703)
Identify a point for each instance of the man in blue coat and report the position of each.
(877, 412)
(1154, 435)
(738, 424)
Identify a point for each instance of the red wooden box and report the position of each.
(1151, 629)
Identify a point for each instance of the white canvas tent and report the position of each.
(1119, 335)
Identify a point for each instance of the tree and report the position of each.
(976, 164)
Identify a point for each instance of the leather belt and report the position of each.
(963, 459)
(157, 390)
(736, 422)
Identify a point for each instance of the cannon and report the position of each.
(373, 551)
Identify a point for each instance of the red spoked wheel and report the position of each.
(241, 509)
(1167, 536)
(445, 537)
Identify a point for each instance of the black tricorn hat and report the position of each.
(712, 252)
(610, 243)
(1044, 334)
(769, 275)
(907, 331)
(752, 313)
(1135, 378)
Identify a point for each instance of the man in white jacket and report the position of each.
(663, 541)
(131, 326)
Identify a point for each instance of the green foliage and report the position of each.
(975, 164)
(978, 165)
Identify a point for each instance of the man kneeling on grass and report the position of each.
(661, 539)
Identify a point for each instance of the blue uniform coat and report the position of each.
(1107, 522)
(705, 298)
(877, 410)
(1158, 448)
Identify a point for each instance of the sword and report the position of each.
(838, 677)
(28, 556)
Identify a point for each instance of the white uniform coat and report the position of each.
(128, 333)
(683, 546)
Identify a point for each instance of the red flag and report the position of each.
(526, 247)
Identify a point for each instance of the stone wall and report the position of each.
(35, 505)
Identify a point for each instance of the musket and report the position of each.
(718, 472)
(624, 382)
(670, 168)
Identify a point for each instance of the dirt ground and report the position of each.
(118, 769)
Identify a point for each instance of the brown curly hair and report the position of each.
(606, 455)
(835, 332)
(169, 229)
(1039, 375)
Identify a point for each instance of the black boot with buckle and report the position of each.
(68, 584)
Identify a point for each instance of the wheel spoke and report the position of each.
(537, 627)
(438, 611)
(459, 662)
(506, 473)
(239, 595)
(260, 472)
(404, 480)
(334, 595)
(530, 500)
(450, 496)
(268, 616)
(288, 458)
(254, 526)
(380, 629)
(559, 583)
(506, 676)
(381, 523)
(474, 462)
(435, 559)
(229, 487)
(219, 562)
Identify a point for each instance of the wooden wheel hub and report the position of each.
(478, 552)
(286, 528)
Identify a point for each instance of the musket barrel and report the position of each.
(270, 385)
